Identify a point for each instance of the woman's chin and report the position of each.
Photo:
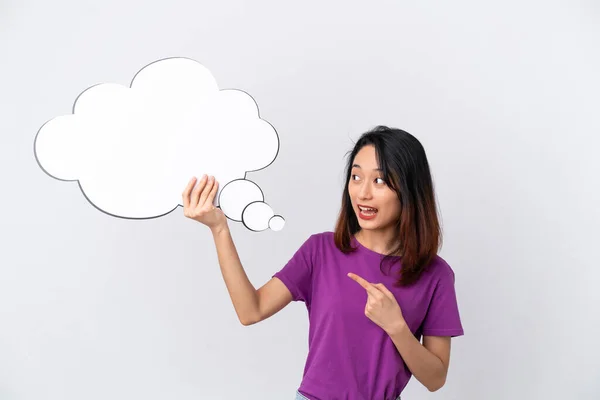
(368, 225)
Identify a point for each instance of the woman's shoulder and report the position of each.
(440, 269)
(319, 240)
(325, 236)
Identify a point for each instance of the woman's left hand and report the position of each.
(382, 307)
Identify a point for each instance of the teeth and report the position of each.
(368, 209)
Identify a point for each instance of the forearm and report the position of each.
(241, 291)
(425, 366)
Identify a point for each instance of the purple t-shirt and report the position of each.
(349, 356)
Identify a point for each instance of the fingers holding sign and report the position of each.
(382, 307)
(198, 202)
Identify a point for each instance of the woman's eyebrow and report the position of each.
(358, 166)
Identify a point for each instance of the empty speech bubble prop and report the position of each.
(133, 149)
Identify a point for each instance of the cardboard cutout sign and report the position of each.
(133, 149)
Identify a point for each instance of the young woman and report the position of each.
(373, 288)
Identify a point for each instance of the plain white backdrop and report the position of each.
(504, 96)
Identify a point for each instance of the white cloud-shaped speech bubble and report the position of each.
(133, 149)
(242, 200)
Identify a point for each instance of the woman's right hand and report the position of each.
(198, 203)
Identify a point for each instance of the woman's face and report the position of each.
(376, 205)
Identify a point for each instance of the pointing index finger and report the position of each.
(362, 282)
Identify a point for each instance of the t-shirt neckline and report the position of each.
(365, 249)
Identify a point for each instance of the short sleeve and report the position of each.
(297, 274)
(443, 317)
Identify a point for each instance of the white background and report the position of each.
(504, 96)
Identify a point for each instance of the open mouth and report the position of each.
(367, 212)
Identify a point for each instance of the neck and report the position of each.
(379, 241)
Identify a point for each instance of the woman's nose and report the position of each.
(365, 191)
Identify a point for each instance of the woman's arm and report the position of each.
(429, 361)
(251, 305)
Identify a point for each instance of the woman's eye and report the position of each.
(354, 177)
(379, 180)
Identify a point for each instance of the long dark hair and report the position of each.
(405, 170)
